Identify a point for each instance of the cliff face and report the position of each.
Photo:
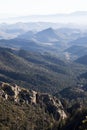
(45, 101)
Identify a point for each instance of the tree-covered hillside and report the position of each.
(43, 72)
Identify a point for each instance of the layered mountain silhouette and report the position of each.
(47, 35)
(77, 50)
(82, 60)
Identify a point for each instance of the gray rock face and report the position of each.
(52, 105)
(45, 101)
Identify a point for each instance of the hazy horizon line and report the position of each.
(20, 15)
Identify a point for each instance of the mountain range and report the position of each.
(75, 17)
(43, 76)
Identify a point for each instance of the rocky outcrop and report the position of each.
(45, 101)
(52, 105)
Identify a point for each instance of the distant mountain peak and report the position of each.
(47, 30)
(47, 35)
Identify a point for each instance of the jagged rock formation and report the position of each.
(20, 95)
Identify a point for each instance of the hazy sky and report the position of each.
(29, 7)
